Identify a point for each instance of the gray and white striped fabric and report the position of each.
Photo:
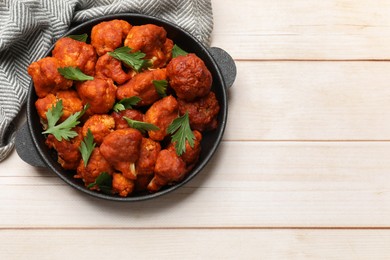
(29, 27)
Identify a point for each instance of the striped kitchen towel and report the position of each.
(29, 27)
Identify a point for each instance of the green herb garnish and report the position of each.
(87, 146)
(74, 73)
(64, 129)
(141, 126)
(181, 131)
(79, 37)
(134, 60)
(126, 103)
(161, 87)
(177, 51)
(103, 182)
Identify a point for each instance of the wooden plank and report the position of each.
(195, 244)
(284, 29)
(247, 184)
(310, 101)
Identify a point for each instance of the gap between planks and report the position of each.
(305, 141)
(198, 228)
(310, 60)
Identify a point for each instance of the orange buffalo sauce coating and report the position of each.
(202, 112)
(151, 40)
(161, 114)
(99, 94)
(69, 155)
(121, 149)
(96, 165)
(74, 53)
(109, 35)
(141, 85)
(100, 126)
(70, 101)
(109, 67)
(189, 77)
(169, 168)
(121, 185)
(46, 77)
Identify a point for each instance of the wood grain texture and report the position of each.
(303, 171)
(195, 244)
(303, 29)
(247, 184)
(310, 101)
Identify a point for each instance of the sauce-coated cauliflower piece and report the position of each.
(121, 149)
(151, 40)
(68, 152)
(161, 114)
(202, 112)
(74, 53)
(189, 77)
(141, 85)
(122, 185)
(46, 77)
(71, 103)
(109, 35)
(97, 164)
(99, 94)
(169, 169)
(100, 126)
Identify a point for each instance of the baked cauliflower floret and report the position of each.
(122, 185)
(169, 169)
(109, 35)
(146, 163)
(202, 112)
(100, 126)
(46, 77)
(68, 152)
(70, 101)
(148, 156)
(133, 114)
(109, 67)
(191, 155)
(141, 85)
(74, 53)
(121, 149)
(99, 94)
(97, 164)
(189, 77)
(151, 40)
(161, 114)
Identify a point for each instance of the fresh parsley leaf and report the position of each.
(177, 51)
(87, 146)
(103, 182)
(54, 114)
(134, 60)
(181, 130)
(79, 37)
(126, 103)
(64, 129)
(161, 87)
(141, 126)
(74, 73)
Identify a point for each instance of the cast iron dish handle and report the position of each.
(26, 148)
(226, 64)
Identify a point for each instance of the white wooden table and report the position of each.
(303, 170)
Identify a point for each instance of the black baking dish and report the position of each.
(30, 143)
